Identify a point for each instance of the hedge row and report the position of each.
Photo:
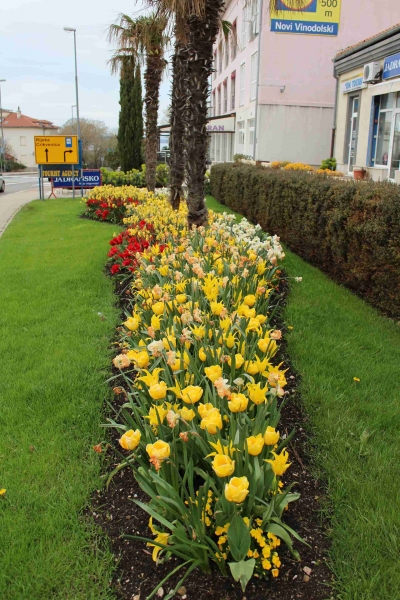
(350, 230)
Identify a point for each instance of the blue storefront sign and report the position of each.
(304, 27)
(391, 66)
(89, 179)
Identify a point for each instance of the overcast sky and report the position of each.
(36, 58)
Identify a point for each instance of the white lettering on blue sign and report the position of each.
(391, 66)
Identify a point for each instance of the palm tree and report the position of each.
(178, 108)
(145, 39)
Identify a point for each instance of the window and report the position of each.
(244, 25)
(225, 89)
(386, 144)
(217, 147)
(215, 65)
(250, 127)
(241, 135)
(213, 104)
(255, 18)
(233, 40)
(242, 76)
(226, 51)
(233, 90)
(22, 140)
(220, 58)
(253, 82)
(219, 100)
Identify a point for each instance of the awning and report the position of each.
(387, 87)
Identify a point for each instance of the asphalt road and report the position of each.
(22, 182)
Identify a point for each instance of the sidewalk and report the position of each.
(11, 203)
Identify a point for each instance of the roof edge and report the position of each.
(366, 43)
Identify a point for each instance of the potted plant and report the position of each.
(359, 172)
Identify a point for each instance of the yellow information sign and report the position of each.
(311, 17)
(56, 149)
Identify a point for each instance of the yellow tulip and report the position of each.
(140, 358)
(158, 391)
(158, 308)
(237, 489)
(268, 345)
(130, 440)
(250, 300)
(261, 319)
(271, 437)
(191, 394)
(202, 355)
(187, 414)
(239, 360)
(253, 325)
(238, 403)
(255, 444)
(181, 298)
(132, 323)
(164, 270)
(155, 413)
(257, 394)
(212, 421)
(223, 466)
(279, 464)
(213, 373)
(216, 308)
(160, 450)
(230, 341)
(155, 322)
(204, 409)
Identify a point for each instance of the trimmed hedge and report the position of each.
(350, 230)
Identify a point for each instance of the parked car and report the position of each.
(2, 184)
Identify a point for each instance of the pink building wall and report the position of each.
(303, 63)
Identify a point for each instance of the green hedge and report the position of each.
(350, 230)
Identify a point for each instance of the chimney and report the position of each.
(18, 113)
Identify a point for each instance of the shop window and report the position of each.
(352, 131)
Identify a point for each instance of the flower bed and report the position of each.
(204, 393)
(108, 203)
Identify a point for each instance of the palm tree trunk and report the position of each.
(202, 35)
(154, 70)
(178, 108)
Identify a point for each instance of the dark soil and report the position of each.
(136, 573)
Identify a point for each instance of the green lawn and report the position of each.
(356, 425)
(52, 371)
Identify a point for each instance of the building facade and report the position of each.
(273, 75)
(20, 130)
(368, 107)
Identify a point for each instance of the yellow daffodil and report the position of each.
(237, 489)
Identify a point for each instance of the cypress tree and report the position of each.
(130, 129)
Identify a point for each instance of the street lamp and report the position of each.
(78, 129)
(3, 161)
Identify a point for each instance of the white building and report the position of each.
(20, 130)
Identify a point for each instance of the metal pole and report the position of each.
(3, 160)
(41, 173)
(40, 182)
(78, 127)
(73, 181)
(258, 81)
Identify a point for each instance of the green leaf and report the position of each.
(238, 538)
(242, 571)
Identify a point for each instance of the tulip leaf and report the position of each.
(242, 571)
(238, 538)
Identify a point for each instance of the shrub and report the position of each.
(279, 164)
(350, 230)
(13, 165)
(238, 157)
(298, 167)
(329, 163)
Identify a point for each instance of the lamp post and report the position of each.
(78, 129)
(3, 160)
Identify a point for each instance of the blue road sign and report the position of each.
(89, 179)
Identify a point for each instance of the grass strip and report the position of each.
(356, 424)
(52, 372)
